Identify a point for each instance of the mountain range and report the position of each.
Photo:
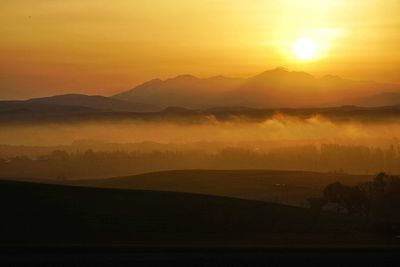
(277, 88)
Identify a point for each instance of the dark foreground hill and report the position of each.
(54, 214)
(290, 187)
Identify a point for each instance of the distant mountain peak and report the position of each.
(186, 77)
(219, 78)
(282, 73)
(153, 82)
(280, 69)
(182, 78)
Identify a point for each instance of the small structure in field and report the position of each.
(334, 207)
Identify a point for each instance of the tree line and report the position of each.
(326, 158)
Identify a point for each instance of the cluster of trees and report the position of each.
(378, 200)
(326, 158)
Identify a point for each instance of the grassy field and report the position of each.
(35, 213)
(288, 187)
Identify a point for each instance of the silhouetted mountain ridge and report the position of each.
(274, 88)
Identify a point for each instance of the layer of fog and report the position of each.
(280, 130)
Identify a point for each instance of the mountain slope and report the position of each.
(184, 91)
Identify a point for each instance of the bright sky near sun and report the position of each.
(103, 47)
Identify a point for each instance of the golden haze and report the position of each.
(99, 46)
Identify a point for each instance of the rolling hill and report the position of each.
(34, 213)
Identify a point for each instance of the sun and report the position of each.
(305, 48)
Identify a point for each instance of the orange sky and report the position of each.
(103, 47)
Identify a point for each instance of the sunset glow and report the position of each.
(99, 47)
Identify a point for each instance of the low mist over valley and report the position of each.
(191, 123)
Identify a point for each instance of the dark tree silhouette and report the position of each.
(378, 200)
